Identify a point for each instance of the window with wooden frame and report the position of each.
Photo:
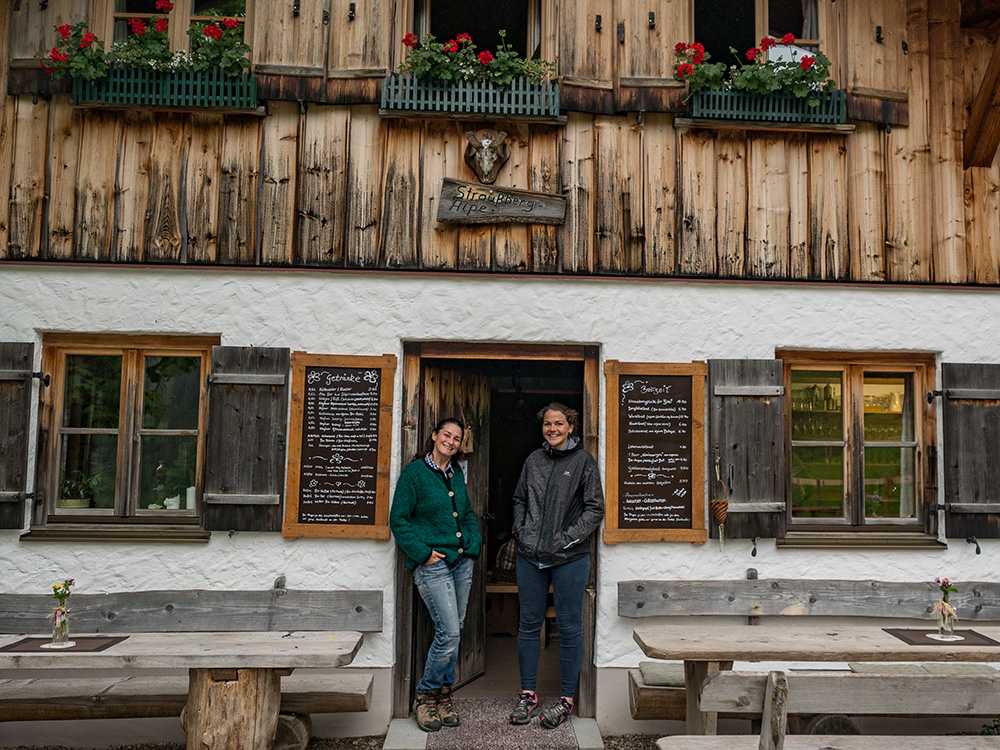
(856, 436)
(741, 24)
(483, 20)
(124, 423)
(182, 14)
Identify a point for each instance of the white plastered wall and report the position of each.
(370, 314)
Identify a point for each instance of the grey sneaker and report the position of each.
(425, 710)
(555, 715)
(527, 706)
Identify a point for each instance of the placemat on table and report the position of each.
(84, 643)
(917, 637)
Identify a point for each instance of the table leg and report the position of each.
(231, 709)
(698, 721)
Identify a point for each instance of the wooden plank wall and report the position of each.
(337, 186)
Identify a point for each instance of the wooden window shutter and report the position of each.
(645, 54)
(290, 47)
(587, 42)
(15, 406)
(246, 438)
(970, 402)
(876, 73)
(746, 416)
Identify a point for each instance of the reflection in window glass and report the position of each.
(818, 482)
(167, 471)
(817, 400)
(170, 398)
(890, 483)
(888, 406)
(93, 391)
(87, 471)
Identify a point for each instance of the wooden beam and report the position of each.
(982, 134)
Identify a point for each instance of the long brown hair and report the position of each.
(429, 443)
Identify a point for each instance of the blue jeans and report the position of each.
(568, 582)
(445, 590)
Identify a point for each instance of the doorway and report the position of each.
(496, 390)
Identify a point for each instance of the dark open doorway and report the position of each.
(497, 390)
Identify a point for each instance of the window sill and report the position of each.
(858, 540)
(79, 532)
(788, 127)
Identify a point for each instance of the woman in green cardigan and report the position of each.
(437, 529)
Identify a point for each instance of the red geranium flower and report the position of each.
(58, 56)
(160, 24)
(788, 39)
(684, 69)
(464, 38)
(451, 46)
(767, 42)
(680, 47)
(88, 37)
(807, 62)
(410, 40)
(64, 30)
(164, 5)
(46, 68)
(137, 25)
(485, 57)
(212, 31)
(752, 53)
(230, 23)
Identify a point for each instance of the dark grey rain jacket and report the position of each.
(558, 504)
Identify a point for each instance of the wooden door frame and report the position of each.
(413, 353)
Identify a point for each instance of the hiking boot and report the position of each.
(527, 706)
(425, 710)
(556, 715)
(446, 711)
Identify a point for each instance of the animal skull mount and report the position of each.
(486, 153)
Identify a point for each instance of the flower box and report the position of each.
(179, 88)
(523, 98)
(741, 105)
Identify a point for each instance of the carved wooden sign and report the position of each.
(469, 203)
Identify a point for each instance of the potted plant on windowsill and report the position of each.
(453, 78)
(774, 84)
(140, 70)
(77, 490)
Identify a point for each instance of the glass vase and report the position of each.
(60, 628)
(946, 626)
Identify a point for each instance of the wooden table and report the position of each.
(234, 678)
(702, 647)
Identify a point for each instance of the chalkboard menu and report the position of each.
(655, 474)
(338, 458)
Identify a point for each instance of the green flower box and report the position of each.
(180, 88)
(742, 105)
(523, 98)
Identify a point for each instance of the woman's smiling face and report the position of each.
(447, 440)
(556, 429)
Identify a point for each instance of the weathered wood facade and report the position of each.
(334, 185)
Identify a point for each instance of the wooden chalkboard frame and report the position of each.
(292, 528)
(697, 371)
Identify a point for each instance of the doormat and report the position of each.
(486, 724)
(923, 638)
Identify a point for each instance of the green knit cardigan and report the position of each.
(423, 517)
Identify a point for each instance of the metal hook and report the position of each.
(652, 20)
(754, 552)
(973, 540)
(597, 23)
(350, 11)
(878, 34)
(43, 377)
(931, 395)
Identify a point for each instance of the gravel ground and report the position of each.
(620, 742)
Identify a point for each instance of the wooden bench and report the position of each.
(774, 696)
(977, 602)
(121, 695)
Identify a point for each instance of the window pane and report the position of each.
(135, 6)
(93, 391)
(890, 483)
(721, 24)
(482, 20)
(228, 8)
(817, 482)
(170, 401)
(888, 406)
(816, 405)
(798, 17)
(87, 471)
(166, 471)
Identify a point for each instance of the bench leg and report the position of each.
(231, 709)
(698, 721)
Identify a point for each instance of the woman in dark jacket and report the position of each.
(558, 504)
(436, 527)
